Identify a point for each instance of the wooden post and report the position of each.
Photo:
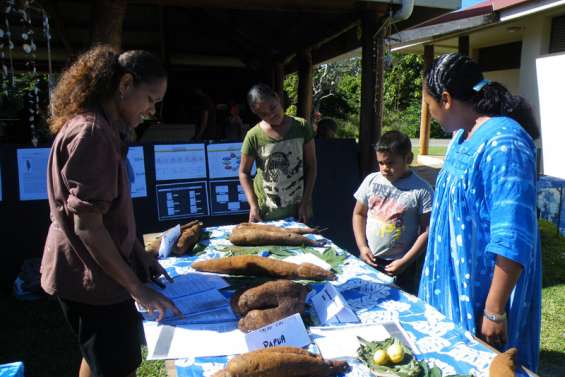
(367, 118)
(463, 45)
(278, 78)
(425, 118)
(107, 21)
(305, 84)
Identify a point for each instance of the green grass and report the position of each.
(432, 151)
(35, 332)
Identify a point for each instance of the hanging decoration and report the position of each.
(25, 39)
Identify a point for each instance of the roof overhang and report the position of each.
(528, 8)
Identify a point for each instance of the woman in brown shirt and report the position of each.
(92, 253)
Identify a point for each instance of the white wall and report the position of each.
(535, 42)
(510, 78)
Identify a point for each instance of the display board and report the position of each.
(32, 173)
(551, 83)
(182, 200)
(137, 176)
(223, 160)
(180, 161)
(227, 197)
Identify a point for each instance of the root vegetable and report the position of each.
(273, 228)
(251, 265)
(269, 295)
(504, 364)
(190, 235)
(281, 362)
(260, 235)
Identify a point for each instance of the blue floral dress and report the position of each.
(484, 206)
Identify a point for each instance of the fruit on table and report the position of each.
(395, 352)
(380, 357)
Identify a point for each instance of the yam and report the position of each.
(248, 235)
(504, 364)
(250, 265)
(281, 362)
(274, 228)
(190, 235)
(258, 318)
(269, 295)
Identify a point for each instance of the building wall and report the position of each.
(535, 43)
(510, 78)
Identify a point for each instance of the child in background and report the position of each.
(392, 213)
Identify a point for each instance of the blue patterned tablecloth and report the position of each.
(440, 341)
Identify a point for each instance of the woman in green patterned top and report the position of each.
(283, 148)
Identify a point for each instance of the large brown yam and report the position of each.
(189, 237)
(247, 235)
(270, 295)
(250, 265)
(504, 364)
(258, 318)
(273, 228)
(281, 362)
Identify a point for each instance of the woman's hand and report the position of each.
(494, 333)
(254, 215)
(396, 267)
(304, 212)
(152, 269)
(153, 301)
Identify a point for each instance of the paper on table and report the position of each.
(341, 341)
(308, 258)
(190, 283)
(196, 303)
(331, 307)
(216, 315)
(178, 342)
(168, 241)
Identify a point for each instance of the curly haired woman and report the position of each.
(92, 257)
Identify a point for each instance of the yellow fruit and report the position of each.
(380, 357)
(395, 353)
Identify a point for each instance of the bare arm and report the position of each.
(246, 182)
(359, 227)
(90, 228)
(505, 277)
(310, 173)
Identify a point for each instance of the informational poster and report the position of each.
(180, 161)
(32, 173)
(182, 200)
(224, 159)
(551, 82)
(227, 197)
(137, 177)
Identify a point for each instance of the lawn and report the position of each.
(34, 331)
(432, 151)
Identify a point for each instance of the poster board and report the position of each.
(551, 85)
(138, 181)
(32, 173)
(179, 161)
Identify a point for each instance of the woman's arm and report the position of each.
(505, 277)
(90, 228)
(246, 182)
(310, 167)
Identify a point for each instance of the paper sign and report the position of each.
(331, 307)
(289, 331)
(168, 241)
(308, 258)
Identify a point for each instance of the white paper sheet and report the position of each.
(308, 258)
(191, 283)
(32, 173)
(196, 303)
(137, 162)
(190, 341)
(331, 307)
(179, 161)
(168, 241)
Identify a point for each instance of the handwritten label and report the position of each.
(331, 307)
(289, 331)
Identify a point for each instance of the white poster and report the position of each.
(32, 173)
(551, 84)
(180, 161)
(137, 162)
(223, 160)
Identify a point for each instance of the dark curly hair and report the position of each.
(94, 77)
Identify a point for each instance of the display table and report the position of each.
(440, 342)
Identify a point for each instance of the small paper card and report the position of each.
(331, 307)
(289, 331)
(168, 241)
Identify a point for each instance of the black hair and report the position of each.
(394, 142)
(462, 78)
(142, 65)
(260, 93)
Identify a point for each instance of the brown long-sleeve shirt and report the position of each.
(87, 172)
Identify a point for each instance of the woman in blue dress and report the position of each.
(483, 268)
